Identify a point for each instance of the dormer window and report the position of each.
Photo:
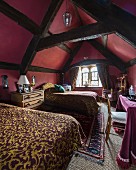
(88, 77)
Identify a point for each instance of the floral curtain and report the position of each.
(103, 71)
(73, 76)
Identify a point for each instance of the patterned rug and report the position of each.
(94, 147)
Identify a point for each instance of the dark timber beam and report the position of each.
(19, 17)
(51, 13)
(41, 69)
(89, 62)
(109, 55)
(131, 62)
(90, 31)
(32, 48)
(124, 22)
(29, 54)
(62, 45)
(9, 66)
(104, 40)
(72, 55)
(104, 3)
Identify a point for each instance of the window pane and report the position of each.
(93, 69)
(88, 75)
(94, 75)
(85, 78)
(94, 83)
(85, 70)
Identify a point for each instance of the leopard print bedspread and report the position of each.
(85, 103)
(36, 140)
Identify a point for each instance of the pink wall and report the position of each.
(91, 53)
(43, 78)
(13, 77)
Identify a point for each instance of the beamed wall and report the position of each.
(110, 19)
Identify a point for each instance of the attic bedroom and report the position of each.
(68, 84)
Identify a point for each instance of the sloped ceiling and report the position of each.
(34, 38)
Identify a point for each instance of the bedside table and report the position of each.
(28, 100)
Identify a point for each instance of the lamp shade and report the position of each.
(23, 80)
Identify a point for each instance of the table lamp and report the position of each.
(23, 84)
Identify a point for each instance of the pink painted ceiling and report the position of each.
(86, 19)
(57, 25)
(121, 48)
(15, 39)
(53, 58)
(35, 10)
(88, 52)
(127, 5)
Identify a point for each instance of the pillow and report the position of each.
(59, 88)
(47, 86)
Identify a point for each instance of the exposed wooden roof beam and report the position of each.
(19, 17)
(51, 13)
(62, 46)
(41, 69)
(89, 61)
(29, 54)
(131, 62)
(9, 66)
(104, 40)
(123, 22)
(90, 31)
(32, 48)
(109, 55)
(72, 55)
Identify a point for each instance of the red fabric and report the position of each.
(127, 154)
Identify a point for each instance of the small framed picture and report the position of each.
(20, 88)
(26, 88)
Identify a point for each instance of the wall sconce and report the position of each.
(67, 17)
(4, 81)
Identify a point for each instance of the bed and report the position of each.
(36, 140)
(84, 102)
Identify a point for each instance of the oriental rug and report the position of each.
(94, 147)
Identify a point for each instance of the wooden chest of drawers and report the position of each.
(28, 100)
